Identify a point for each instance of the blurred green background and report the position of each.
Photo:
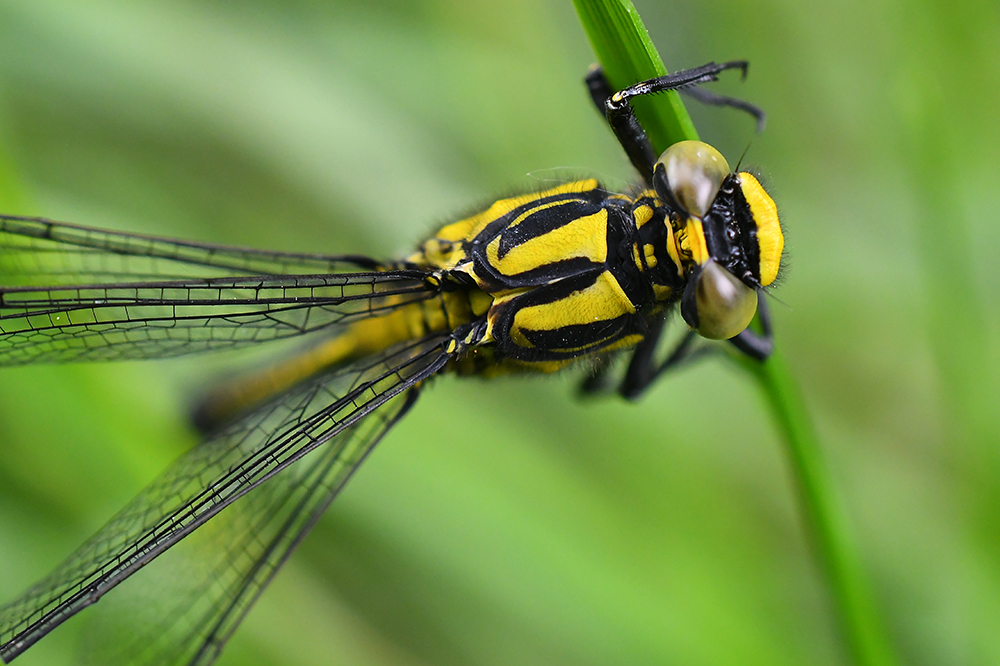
(507, 522)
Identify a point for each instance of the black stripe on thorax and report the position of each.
(592, 197)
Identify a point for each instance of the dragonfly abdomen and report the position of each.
(404, 322)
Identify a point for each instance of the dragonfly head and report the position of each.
(728, 236)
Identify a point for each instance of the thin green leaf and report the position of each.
(824, 513)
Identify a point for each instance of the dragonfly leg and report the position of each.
(642, 356)
(709, 98)
(621, 117)
(627, 129)
(643, 368)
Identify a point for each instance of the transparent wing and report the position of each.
(211, 477)
(77, 293)
(36, 251)
(174, 317)
(226, 566)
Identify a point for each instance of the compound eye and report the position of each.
(724, 305)
(694, 173)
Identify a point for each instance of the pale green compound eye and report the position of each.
(695, 171)
(724, 304)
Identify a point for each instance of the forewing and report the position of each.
(74, 293)
(224, 567)
(214, 475)
(40, 252)
(171, 318)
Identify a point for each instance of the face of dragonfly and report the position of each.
(729, 227)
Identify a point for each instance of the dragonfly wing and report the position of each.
(226, 566)
(174, 317)
(214, 475)
(36, 251)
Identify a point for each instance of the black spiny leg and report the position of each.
(710, 98)
(757, 345)
(628, 131)
(600, 88)
(639, 365)
(617, 109)
(643, 369)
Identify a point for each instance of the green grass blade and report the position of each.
(824, 513)
(624, 49)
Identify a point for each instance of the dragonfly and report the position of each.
(574, 274)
